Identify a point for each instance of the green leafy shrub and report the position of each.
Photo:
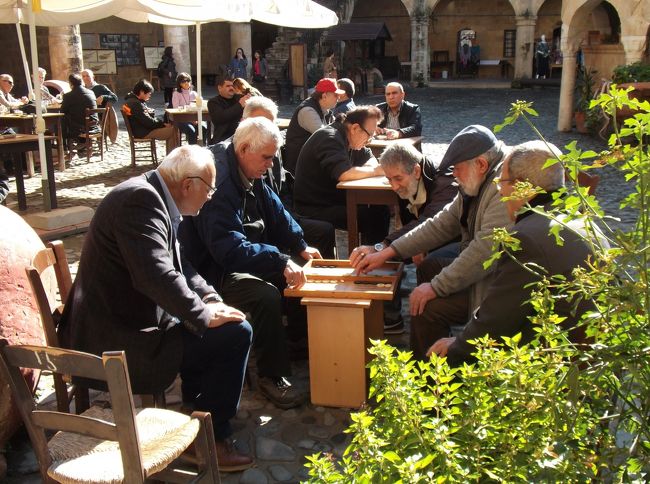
(547, 411)
(637, 72)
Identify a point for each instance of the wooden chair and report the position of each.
(137, 144)
(53, 256)
(121, 444)
(93, 134)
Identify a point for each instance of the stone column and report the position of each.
(567, 88)
(634, 46)
(420, 46)
(240, 36)
(177, 37)
(65, 51)
(525, 44)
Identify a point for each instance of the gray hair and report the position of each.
(526, 163)
(260, 103)
(400, 154)
(89, 72)
(42, 71)
(6, 77)
(395, 84)
(186, 160)
(257, 133)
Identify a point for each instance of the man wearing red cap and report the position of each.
(312, 114)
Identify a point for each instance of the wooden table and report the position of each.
(378, 145)
(25, 125)
(367, 191)
(177, 115)
(344, 312)
(18, 145)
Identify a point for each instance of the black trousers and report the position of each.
(373, 220)
(213, 369)
(263, 301)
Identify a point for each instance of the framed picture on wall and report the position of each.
(153, 56)
(100, 61)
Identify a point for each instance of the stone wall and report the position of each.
(12, 60)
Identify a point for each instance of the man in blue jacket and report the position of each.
(243, 242)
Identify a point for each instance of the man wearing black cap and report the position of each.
(312, 114)
(450, 290)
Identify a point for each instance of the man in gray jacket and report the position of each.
(450, 290)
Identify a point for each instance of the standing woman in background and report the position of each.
(167, 75)
(238, 64)
(260, 68)
(329, 68)
(183, 95)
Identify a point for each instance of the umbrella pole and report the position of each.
(199, 97)
(40, 123)
(24, 56)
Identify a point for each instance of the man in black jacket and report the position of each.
(103, 94)
(402, 119)
(312, 114)
(226, 110)
(144, 122)
(74, 106)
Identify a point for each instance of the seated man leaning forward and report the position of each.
(450, 290)
(243, 241)
(402, 119)
(144, 122)
(505, 309)
(135, 292)
(338, 153)
(423, 191)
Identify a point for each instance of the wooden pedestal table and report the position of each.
(189, 115)
(344, 311)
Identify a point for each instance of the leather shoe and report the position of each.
(280, 392)
(231, 460)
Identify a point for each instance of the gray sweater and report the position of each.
(466, 271)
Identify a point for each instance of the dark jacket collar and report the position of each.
(537, 201)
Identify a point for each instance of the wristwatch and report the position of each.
(379, 246)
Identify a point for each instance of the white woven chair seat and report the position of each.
(163, 435)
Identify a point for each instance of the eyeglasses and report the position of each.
(500, 181)
(211, 188)
(370, 136)
(183, 81)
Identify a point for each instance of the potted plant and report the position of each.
(584, 95)
(637, 76)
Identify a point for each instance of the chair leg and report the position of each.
(132, 153)
(208, 465)
(89, 145)
(81, 399)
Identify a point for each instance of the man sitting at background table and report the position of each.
(104, 94)
(310, 115)
(225, 109)
(337, 153)
(450, 289)
(74, 105)
(402, 119)
(144, 122)
(346, 101)
(6, 99)
(423, 191)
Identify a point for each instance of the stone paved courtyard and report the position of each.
(279, 439)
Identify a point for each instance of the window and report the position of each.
(509, 42)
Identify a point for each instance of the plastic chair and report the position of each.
(121, 444)
(137, 143)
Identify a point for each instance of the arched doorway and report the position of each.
(549, 24)
(601, 48)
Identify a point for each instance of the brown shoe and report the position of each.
(230, 460)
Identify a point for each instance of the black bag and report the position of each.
(29, 108)
(160, 71)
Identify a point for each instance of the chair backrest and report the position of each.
(111, 368)
(440, 56)
(585, 179)
(52, 256)
(127, 123)
(95, 118)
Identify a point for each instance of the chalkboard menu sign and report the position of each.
(126, 46)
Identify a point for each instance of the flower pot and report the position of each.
(580, 119)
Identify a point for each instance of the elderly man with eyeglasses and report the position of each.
(6, 99)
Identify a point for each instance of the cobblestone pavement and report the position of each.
(280, 439)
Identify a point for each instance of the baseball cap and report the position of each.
(470, 142)
(328, 85)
